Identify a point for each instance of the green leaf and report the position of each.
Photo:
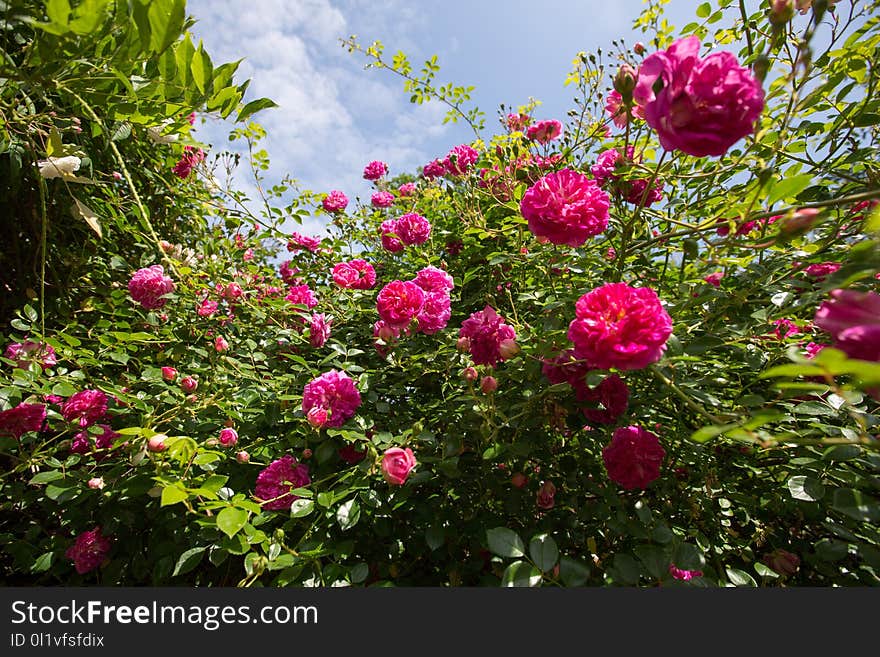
(46, 477)
(301, 508)
(173, 494)
(30, 313)
(740, 577)
(434, 537)
(359, 573)
(189, 560)
(231, 519)
(42, 563)
(654, 558)
(789, 188)
(543, 551)
(573, 572)
(856, 505)
(58, 11)
(806, 488)
(201, 68)
(348, 514)
(255, 106)
(505, 542)
(166, 23)
(89, 15)
(704, 10)
(707, 433)
(521, 573)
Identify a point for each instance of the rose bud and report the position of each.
(169, 374)
(396, 465)
(306, 454)
(242, 456)
(519, 480)
(463, 344)
(228, 437)
(469, 374)
(96, 483)
(508, 349)
(488, 384)
(157, 442)
(220, 343)
(189, 384)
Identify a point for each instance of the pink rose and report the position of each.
(853, 320)
(21, 419)
(397, 464)
(399, 302)
(335, 201)
(375, 170)
(24, 353)
(330, 399)
(413, 229)
(149, 285)
(275, 482)
(565, 207)
(701, 106)
(633, 457)
(485, 331)
(89, 551)
(544, 131)
(382, 200)
(546, 496)
(228, 437)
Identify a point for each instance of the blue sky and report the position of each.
(334, 116)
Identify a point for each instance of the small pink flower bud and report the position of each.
(508, 348)
(169, 374)
(220, 343)
(317, 416)
(96, 483)
(488, 384)
(469, 374)
(307, 454)
(157, 442)
(463, 344)
(189, 384)
(242, 456)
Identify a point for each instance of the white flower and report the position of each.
(58, 167)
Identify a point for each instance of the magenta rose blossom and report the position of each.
(399, 302)
(407, 189)
(485, 331)
(390, 238)
(298, 242)
(820, 270)
(302, 295)
(24, 353)
(611, 398)
(207, 308)
(684, 575)
(633, 457)
(546, 498)
(148, 285)
(714, 279)
(375, 170)
(433, 170)
(228, 437)
(853, 320)
(565, 207)
(634, 191)
(335, 393)
(20, 419)
(88, 551)
(620, 326)
(85, 407)
(435, 313)
(319, 329)
(382, 199)
(188, 161)
(356, 274)
(459, 160)
(82, 442)
(335, 201)
(397, 464)
(698, 106)
(616, 109)
(544, 131)
(413, 229)
(432, 279)
(566, 368)
(276, 480)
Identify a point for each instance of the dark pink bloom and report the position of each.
(276, 480)
(407, 189)
(435, 312)
(820, 270)
(220, 343)
(82, 441)
(20, 419)
(432, 279)
(335, 201)
(620, 326)
(288, 273)
(88, 551)
(698, 106)
(813, 348)
(565, 207)
(566, 368)
(85, 407)
(189, 384)
(785, 328)
(207, 308)
(546, 496)
(302, 295)
(387, 334)
(397, 464)
(617, 110)
(433, 170)
(611, 397)
(684, 575)
(460, 159)
(188, 161)
(375, 170)
(356, 274)
(390, 238)
(382, 200)
(413, 229)
(399, 302)
(634, 191)
(334, 392)
(633, 457)
(319, 329)
(714, 278)
(148, 285)
(169, 374)
(298, 242)
(485, 330)
(24, 353)
(544, 131)
(853, 320)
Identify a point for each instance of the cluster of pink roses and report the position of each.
(634, 191)
(188, 161)
(330, 400)
(355, 274)
(410, 229)
(487, 337)
(425, 299)
(457, 162)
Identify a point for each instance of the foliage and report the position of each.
(771, 456)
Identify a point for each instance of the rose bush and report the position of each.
(518, 372)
